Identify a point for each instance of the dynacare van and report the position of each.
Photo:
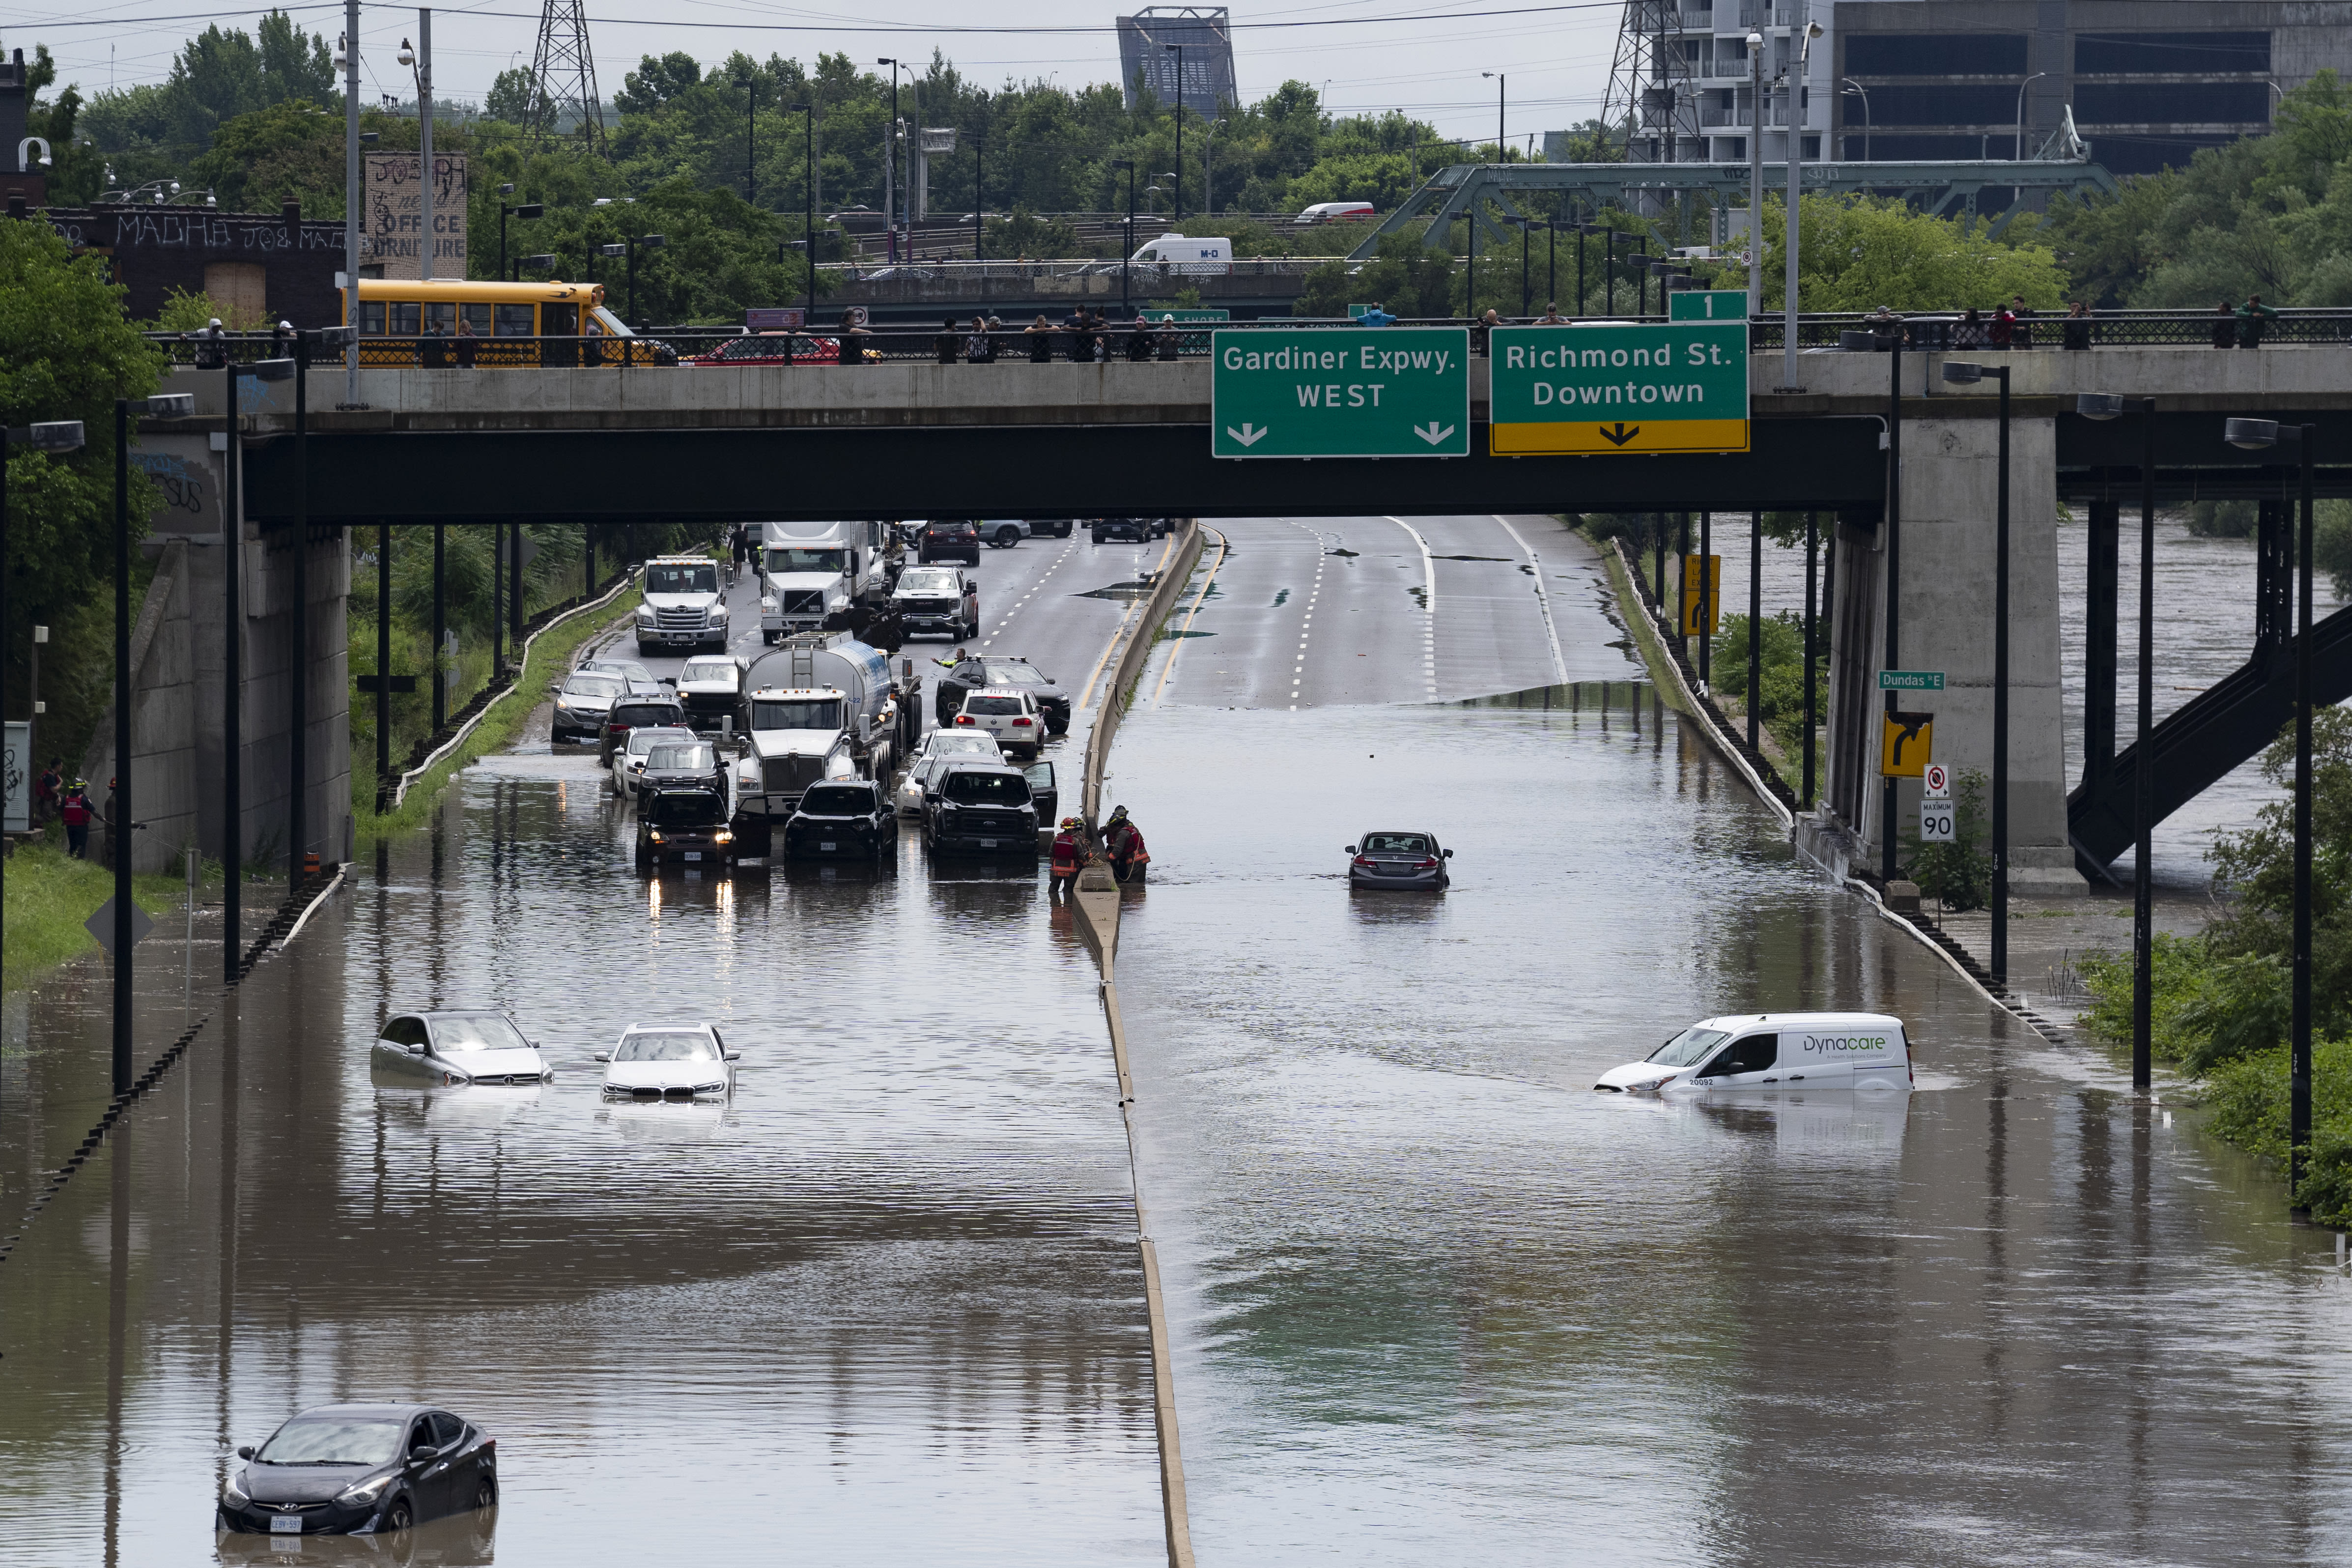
(1756, 1050)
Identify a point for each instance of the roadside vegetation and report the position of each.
(49, 895)
(556, 576)
(2220, 1002)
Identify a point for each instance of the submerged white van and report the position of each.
(1751, 1050)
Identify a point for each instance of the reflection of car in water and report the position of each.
(1759, 1050)
(336, 1469)
(456, 1047)
(668, 1061)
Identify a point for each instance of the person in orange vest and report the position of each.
(76, 815)
(1069, 848)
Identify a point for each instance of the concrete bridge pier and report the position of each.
(179, 661)
(1950, 487)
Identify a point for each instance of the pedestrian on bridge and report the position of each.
(852, 338)
(2020, 317)
(979, 348)
(1551, 316)
(1139, 345)
(2254, 318)
(1040, 334)
(1378, 316)
(947, 341)
(2078, 326)
(1968, 331)
(2225, 330)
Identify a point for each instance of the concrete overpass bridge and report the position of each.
(911, 440)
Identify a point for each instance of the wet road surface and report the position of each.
(1433, 1299)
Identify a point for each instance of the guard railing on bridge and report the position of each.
(1013, 342)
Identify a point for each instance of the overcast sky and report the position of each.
(1426, 62)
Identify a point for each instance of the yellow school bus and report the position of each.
(452, 322)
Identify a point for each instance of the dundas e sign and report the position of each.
(1340, 392)
(1677, 387)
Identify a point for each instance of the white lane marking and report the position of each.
(1096, 673)
(1543, 600)
(1429, 607)
(1032, 594)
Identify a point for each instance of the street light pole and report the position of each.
(889, 163)
(1856, 88)
(808, 208)
(2019, 154)
(1177, 50)
(351, 64)
(1127, 259)
(1755, 173)
(1502, 144)
(2256, 434)
(1796, 151)
(750, 139)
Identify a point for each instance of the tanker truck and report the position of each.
(816, 707)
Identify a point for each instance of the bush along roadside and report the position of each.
(2220, 1007)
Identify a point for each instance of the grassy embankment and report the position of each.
(49, 895)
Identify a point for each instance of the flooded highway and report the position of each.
(1431, 1299)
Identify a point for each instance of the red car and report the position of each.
(771, 348)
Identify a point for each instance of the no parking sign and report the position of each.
(1937, 818)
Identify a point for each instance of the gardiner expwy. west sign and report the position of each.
(1681, 386)
(1340, 392)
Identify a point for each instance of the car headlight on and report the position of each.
(656, 837)
(233, 1492)
(364, 1494)
(722, 836)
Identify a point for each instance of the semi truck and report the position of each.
(812, 571)
(817, 706)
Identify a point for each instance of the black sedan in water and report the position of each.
(1398, 860)
(346, 1470)
(842, 818)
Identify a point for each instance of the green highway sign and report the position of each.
(1707, 305)
(1602, 388)
(1340, 392)
(1910, 680)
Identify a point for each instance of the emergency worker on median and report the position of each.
(1069, 848)
(77, 813)
(1123, 842)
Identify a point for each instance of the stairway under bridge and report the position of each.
(2220, 728)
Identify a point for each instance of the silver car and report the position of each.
(938, 745)
(629, 757)
(1398, 860)
(462, 1046)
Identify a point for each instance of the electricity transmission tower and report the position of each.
(563, 75)
(1652, 96)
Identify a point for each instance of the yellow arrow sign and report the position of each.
(1906, 745)
(1702, 594)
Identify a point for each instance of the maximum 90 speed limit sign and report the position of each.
(1936, 822)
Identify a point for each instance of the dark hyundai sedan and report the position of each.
(1398, 860)
(355, 1470)
(843, 819)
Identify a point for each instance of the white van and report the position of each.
(1191, 258)
(1334, 212)
(1751, 1050)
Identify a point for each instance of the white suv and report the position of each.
(1010, 714)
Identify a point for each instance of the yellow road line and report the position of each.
(1169, 667)
(1108, 648)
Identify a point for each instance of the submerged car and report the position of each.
(684, 826)
(937, 747)
(978, 806)
(453, 1048)
(849, 818)
(357, 1469)
(638, 713)
(669, 1061)
(1398, 860)
(1753, 1050)
(629, 754)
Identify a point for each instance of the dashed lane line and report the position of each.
(1169, 667)
(1033, 587)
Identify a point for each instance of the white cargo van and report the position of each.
(1753, 1050)
(1189, 258)
(1334, 212)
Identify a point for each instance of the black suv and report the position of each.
(977, 672)
(684, 826)
(979, 807)
(1139, 529)
(851, 818)
(637, 712)
(955, 540)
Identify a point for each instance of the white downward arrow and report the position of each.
(1247, 435)
(1430, 433)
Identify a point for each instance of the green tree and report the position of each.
(1408, 279)
(289, 150)
(295, 66)
(65, 353)
(1857, 253)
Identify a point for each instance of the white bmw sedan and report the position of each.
(669, 1061)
